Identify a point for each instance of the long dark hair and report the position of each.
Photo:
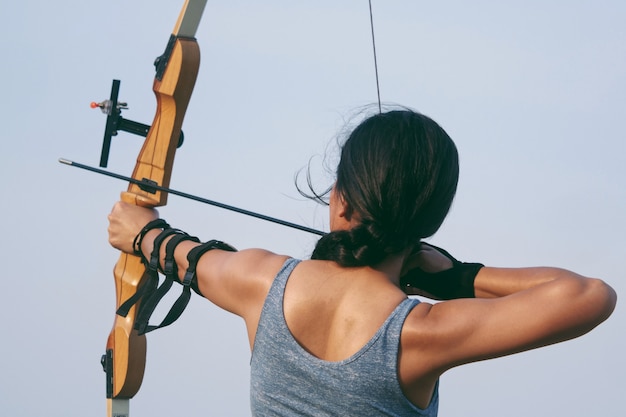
(398, 173)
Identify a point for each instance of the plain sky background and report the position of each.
(533, 92)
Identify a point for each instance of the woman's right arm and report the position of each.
(515, 310)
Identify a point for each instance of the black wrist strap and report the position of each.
(154, 224)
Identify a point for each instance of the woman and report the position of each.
(337, 334)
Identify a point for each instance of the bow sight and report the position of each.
(115, 122)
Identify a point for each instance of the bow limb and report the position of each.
(177, 69)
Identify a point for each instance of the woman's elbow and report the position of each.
(591, 301)
(603, 297)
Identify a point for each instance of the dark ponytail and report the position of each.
(361, 245)
(398, 173)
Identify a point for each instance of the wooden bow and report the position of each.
(176, 72)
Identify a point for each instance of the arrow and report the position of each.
(152, 187)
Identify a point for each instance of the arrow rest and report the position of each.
(115, 122)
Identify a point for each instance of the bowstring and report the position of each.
(380, 110)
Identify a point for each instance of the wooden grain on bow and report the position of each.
(176, 72)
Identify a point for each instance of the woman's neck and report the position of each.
(392, 265)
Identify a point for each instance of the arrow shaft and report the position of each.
(194, 197)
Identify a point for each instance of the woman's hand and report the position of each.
(125, 222)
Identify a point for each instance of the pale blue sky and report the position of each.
(533, 93)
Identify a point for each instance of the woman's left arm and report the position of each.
(235, 281)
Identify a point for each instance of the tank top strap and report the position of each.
(398, 316)
(274, 300)
(280, 281)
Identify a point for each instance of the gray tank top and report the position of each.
(286, 380)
